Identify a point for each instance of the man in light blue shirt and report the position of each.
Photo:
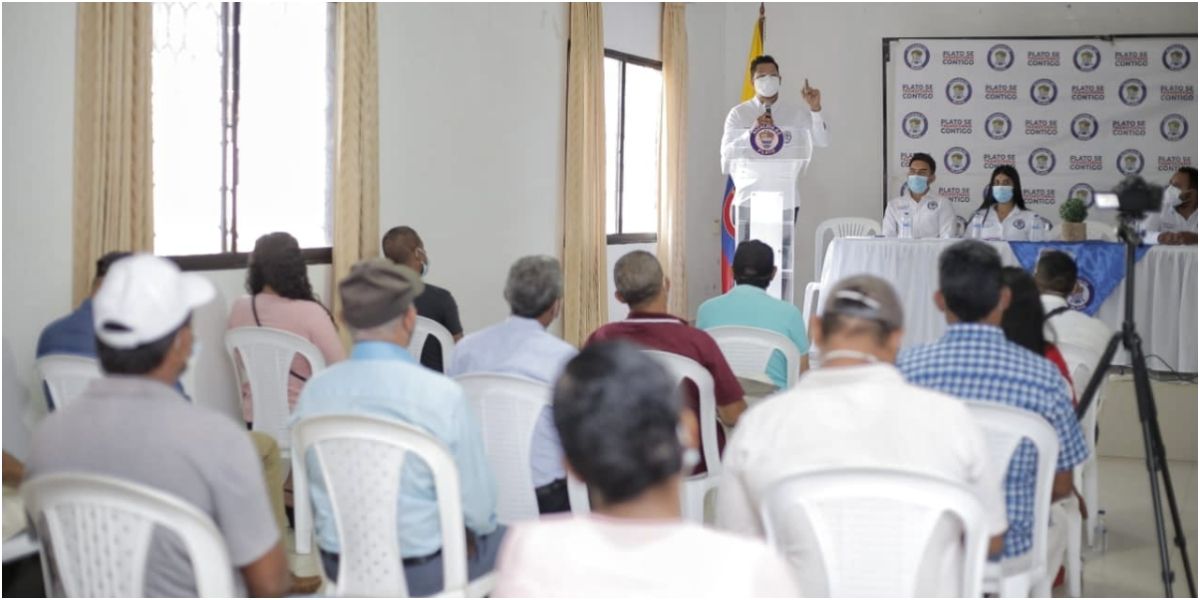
(381, 379)
(521, 346)
(748, 305)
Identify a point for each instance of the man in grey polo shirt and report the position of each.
(133, 425)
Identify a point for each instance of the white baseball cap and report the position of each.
(143, 298)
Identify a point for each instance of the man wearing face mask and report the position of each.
(768, 108)
(927, 214)
(404, 247)
(1176, 223)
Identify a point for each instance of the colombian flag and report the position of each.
(728, 233)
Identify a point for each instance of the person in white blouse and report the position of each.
(923, 213)
(1003, 215)
(624, 434)
(1176, 223)
(768, 108)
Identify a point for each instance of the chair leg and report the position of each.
(1074, 559)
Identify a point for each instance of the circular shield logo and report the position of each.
(915, 125)
(1041, 161)
(1084, 289)
(1132, 92)
(1043, 92)
(1083, 192)
(1000, 57)
(766, 139)
(1173, 127)
(998, 126)
(1087, 58)
(958, 90)
(1176, 57)
(1130, 162)
(957, 160)
(1019, 224)
(1084, 127)
(916, 56)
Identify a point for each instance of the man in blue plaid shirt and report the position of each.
(974, 361)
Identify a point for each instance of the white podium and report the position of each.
(766, 197)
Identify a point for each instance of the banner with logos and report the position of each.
(1074, 116)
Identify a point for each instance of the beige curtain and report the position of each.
(114, 206)
(356, 170)
(585, 302)
(672, 156)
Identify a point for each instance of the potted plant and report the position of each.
(1074, 213)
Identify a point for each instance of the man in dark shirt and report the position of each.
(404, 247)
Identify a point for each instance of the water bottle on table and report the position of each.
(906, 223)
(1037, 230)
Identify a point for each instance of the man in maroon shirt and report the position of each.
(641, 285)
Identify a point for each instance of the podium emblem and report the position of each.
(767, 140)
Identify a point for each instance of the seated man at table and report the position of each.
(748, 305)
(974, 361)
(930, 215)
(1176, 223)
(641, 284)
(1057, 277)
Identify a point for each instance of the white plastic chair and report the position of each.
(696, 487)
(361, 459)
(1087, 475)
(749, 349)
(507, 408)
(840, 227)
(96, 533)
(1097, 230)
(266, 359)
(812, 293)
(870, 532)
(960, 226)
(425, 328)
(1005, 427)
(67, 376)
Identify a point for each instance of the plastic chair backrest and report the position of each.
(872, 531)
(681, 368)
(840, 227)
(360, 460)
(507, 408)
(960, 226)
(425, 328)
(749, 349)
(1097, 230)
(1005, 427)
(96, 533)
(266, 356)
(66, 376)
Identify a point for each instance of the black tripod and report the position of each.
(1156, 456)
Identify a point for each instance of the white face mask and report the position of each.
(766, 86)
(1171, 196)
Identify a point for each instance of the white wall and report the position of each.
(634, 28)
(838, 48)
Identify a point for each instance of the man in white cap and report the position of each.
(133, 425)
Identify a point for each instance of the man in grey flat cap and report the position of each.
(381, 379)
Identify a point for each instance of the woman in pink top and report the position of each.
(281, 297)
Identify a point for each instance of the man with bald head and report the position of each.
(403, 245)
(642, 286)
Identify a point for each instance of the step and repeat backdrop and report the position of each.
(1072, 115)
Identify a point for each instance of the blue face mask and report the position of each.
(1002, 193)
(918, 184)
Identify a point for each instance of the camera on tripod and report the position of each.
(1132, 197)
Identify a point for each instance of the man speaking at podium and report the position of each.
(766, 108)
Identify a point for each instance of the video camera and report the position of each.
(1132, 197)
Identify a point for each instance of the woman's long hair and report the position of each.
(1025, 319)
(990, 201)
(278, 263)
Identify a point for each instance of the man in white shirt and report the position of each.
(1176, 223)
(766, 108)
(929, 215)
(1057, 275)
(856, 410)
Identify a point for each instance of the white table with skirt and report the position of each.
(1165, 297)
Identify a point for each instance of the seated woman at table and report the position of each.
(1003, 215)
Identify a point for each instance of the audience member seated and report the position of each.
(749, 305)
(856, 410)
(133, 425)
(73, 334)
(931, 215)
(623, 431)
(522, 346)
(381, 379)
(1176, 222)
(642, 286)
(1002, 215)
(1024, 321)
(281, 297)
(404, 247)
(974, 361)
(1057, 278)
